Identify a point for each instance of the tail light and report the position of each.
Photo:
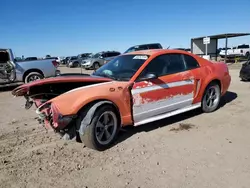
(55, 63)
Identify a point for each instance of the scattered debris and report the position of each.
(6, 162)
(13, 121)
(183, 126)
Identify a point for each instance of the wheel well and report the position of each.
(216, 81)
(89, 105)
(31, 70)
(96, 62)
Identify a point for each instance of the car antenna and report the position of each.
(168, 47)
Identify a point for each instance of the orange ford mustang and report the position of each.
(133, 89)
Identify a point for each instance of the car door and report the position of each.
(173, 89)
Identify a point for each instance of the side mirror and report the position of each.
(148, 76)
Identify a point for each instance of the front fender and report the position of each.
(89, 115)
(116, 92)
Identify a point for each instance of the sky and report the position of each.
(70, 27)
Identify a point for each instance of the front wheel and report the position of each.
(211, 98)
(102, 131)
(96, 65)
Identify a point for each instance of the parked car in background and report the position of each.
(237, 51)
(30, 58)
(77, 62)
(220, 49)
(25, 71)
(144, 47)
(137, 48)
(65, 60)
(245, 71)
(55, 58)
(133, 89)
(72, 58)
(98, 59)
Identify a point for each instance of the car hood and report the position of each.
(67, 78)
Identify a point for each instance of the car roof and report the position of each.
(147, 44)
(155, 51)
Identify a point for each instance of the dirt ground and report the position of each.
(191, 150)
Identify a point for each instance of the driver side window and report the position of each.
(164, 65)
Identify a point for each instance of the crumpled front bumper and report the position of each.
(50, 117)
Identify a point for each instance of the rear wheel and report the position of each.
(96, 65)
(102, 131)
(247, 55)
(33, 76)
(211, 98)
(76, 64)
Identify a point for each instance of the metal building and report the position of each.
(200, 45)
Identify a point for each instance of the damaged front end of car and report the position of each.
(50, 117)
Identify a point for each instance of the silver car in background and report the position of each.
(77, 62)
(99, 59)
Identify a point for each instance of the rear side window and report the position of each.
(154, 46)
(165, 64)
(113, 54)
(191, 62)
(142, 47)
(243, 46)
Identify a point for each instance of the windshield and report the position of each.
(97, 55)
(122, 67)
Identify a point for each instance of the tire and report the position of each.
(244, 79)
(76, 64)
(90, 137)
(247, 55)
(206, 105)
(96, 65)
(32, 76)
